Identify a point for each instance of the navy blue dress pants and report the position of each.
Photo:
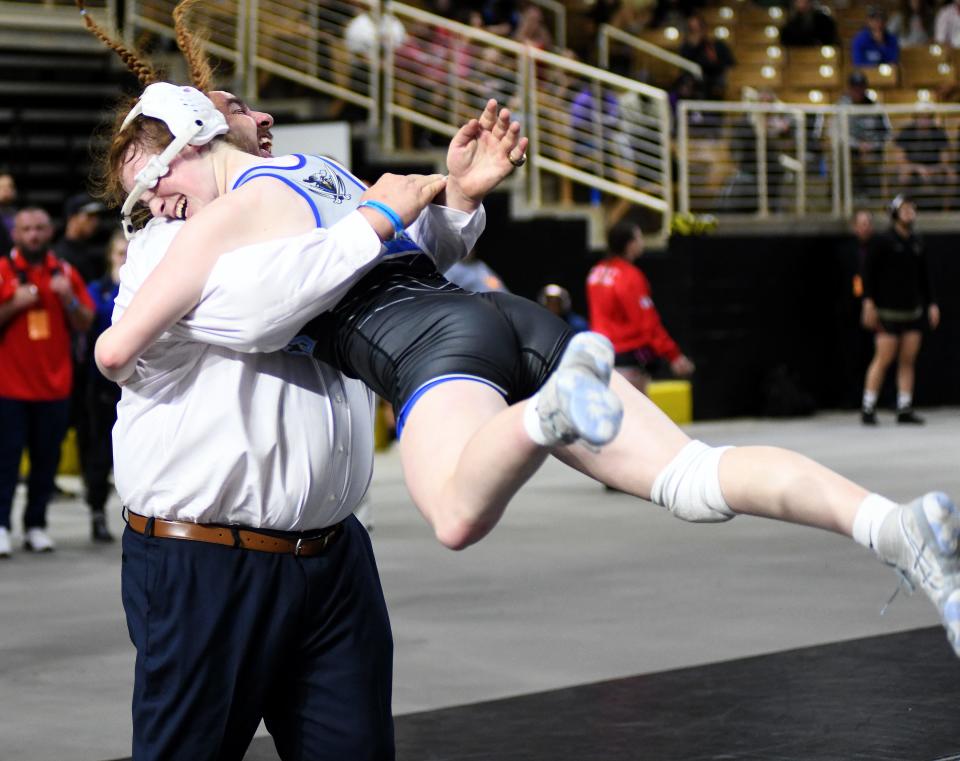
(226, 636)
(40, 427)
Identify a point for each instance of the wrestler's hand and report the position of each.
(406, 194)
(480, 155)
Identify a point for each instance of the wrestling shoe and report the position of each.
(922, 542)
(574, 405)
(37, 540)
(909, 417)
(868, 417)
(590, 352)
(5, 548)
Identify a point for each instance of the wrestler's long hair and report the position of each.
(145, 132)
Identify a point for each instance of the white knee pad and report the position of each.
(689, 487)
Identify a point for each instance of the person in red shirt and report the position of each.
(42, 299)
(620, 307)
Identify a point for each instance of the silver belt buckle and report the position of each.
(296, 550)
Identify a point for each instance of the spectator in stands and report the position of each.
(742, 193)
(868, 134)
(81, 222)
(556, 298)
(620, 306)
(713, 56)
(532, 29)
(473, 274)
(42, 299)
(500, 16)
(361, 34)
(947, 25)
(809, 26)
(875, 44)
(898, 301)
(674, 12)
(102, 396)
(913, 23)
(923, 151)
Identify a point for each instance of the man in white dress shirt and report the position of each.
(250, 589)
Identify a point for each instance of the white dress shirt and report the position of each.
(211, 429)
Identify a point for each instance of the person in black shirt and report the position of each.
(923, 149)
(713, 56)
(898, 299)
(808, 26)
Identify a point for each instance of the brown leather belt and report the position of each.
(306, 545)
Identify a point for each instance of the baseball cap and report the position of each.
(81, 203)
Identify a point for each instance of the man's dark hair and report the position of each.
(619, 236)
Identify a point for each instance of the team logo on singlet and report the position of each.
(327, 184)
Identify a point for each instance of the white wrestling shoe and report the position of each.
(5, 548)
(922, 541)
(573, 405)
(590, 352)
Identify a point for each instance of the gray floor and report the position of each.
(576, 585)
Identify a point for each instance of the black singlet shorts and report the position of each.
(404, 327)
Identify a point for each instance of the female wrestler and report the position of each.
(469, 442)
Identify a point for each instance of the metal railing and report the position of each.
(778, 161)
(647, 62)
(586, 126)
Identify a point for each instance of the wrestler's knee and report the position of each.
(689, 486)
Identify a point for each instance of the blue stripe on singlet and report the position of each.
(415, 397)
(262, 171)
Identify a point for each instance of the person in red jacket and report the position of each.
(42, 299)
(618, 297)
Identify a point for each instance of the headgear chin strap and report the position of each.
(192, 119)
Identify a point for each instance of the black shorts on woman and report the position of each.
(404, 328)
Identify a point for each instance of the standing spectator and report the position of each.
(922, 156)
(868, 134)
(862, 229)
(81, 221)
(473, 274)
(875, 44)
(102, 396)
(947, 25)
(618, 297)
(8, 209)
(809, 26)
(913, 23)
(42, 299)
(898, 298)
(713, 56)
(556, 298)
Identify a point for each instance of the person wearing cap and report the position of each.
(898, 302)
(42, 301)
(868, 133)
(80, 223)
(875, 44)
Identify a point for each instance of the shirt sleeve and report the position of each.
(259, 296)
(8, 280)
(447, 235)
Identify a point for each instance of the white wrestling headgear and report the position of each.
(189, 115)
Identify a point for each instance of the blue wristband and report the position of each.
(387, 212)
